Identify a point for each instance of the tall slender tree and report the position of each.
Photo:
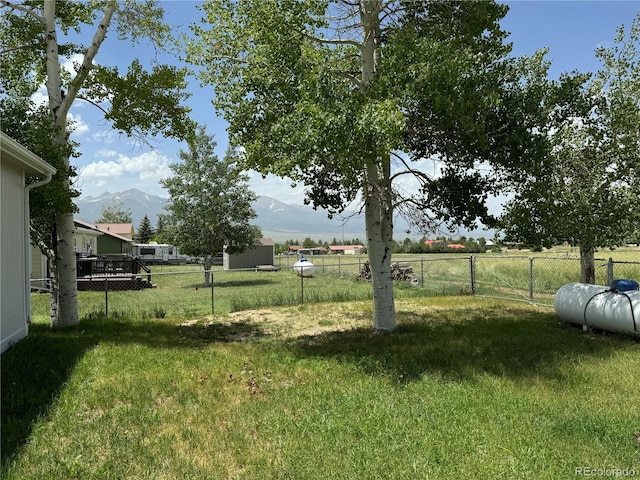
(115, 212)
(138, 102)
(145, 230)
(586, 190)
(344, 96)
(209, 203)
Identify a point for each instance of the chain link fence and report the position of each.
(188, 291)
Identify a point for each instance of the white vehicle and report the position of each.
(159, 253)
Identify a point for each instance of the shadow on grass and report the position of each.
(243, 283)
(35, 371)
(523, 347)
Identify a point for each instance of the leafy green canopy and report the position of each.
(210, 202)
(288, 79)
(30, 125)
(145, 230)
(115, 212)
(139, 102)
(586, 191)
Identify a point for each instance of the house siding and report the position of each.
(38, 268)
(110, 245)
(14, 310)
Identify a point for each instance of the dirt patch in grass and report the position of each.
(289, 322)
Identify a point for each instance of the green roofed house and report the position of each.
(115, 238)
(20, 171)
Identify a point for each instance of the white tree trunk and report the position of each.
(379, 225)
(208, 264)
(64, 301)
(67, 313)
(587, 265)
(377, 189)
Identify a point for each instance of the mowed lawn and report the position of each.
(467, 388)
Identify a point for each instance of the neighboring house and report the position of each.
(431, 243)
(85, 243)
(121, 229)
(88, 240)
(311, 251)
(346, 249)
(264, 254)
(110, 242)
(17, 165)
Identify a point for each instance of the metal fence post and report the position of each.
(422, 271)
(531, 279)
(106, 297)
(610, 271)
(301, 285)
(212, 297)
(472, 274)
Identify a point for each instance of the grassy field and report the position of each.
(466, 388)
(179, 290)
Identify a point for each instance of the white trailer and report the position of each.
(160, 253)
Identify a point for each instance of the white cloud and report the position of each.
(147, 168)
(105, 136)
(101, 169)
(40, 97)
(67, 64)
(104, 153)
(150, 166)
(80, 128)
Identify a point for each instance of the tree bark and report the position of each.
(587, 265)
(67, 314)
(208, 264)
(64, 301)
(377, 189)
(379, 227)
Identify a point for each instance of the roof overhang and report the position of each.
(31, 163)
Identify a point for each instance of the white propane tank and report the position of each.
(597, 306)
(304, 268)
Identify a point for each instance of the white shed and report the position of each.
(17, 164)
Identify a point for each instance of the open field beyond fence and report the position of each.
(179, 290)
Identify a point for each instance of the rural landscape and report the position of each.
(347, 239)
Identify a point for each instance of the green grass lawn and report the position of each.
(467, 388)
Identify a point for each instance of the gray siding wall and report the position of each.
(14, 307)
(262, 255)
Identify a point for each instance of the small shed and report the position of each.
(263, 254)
(20, 171)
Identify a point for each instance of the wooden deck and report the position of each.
(113, 283)
(112, 272)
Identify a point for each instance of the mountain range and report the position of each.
(278, 220)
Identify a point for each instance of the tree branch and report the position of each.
(95, 104)
(326, 41)
(350, 78)
(22, 8)
(90, 54)
(19, 47)
(423, 178)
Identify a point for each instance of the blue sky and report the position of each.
(111, 162)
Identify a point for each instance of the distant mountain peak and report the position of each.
(278, 220)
